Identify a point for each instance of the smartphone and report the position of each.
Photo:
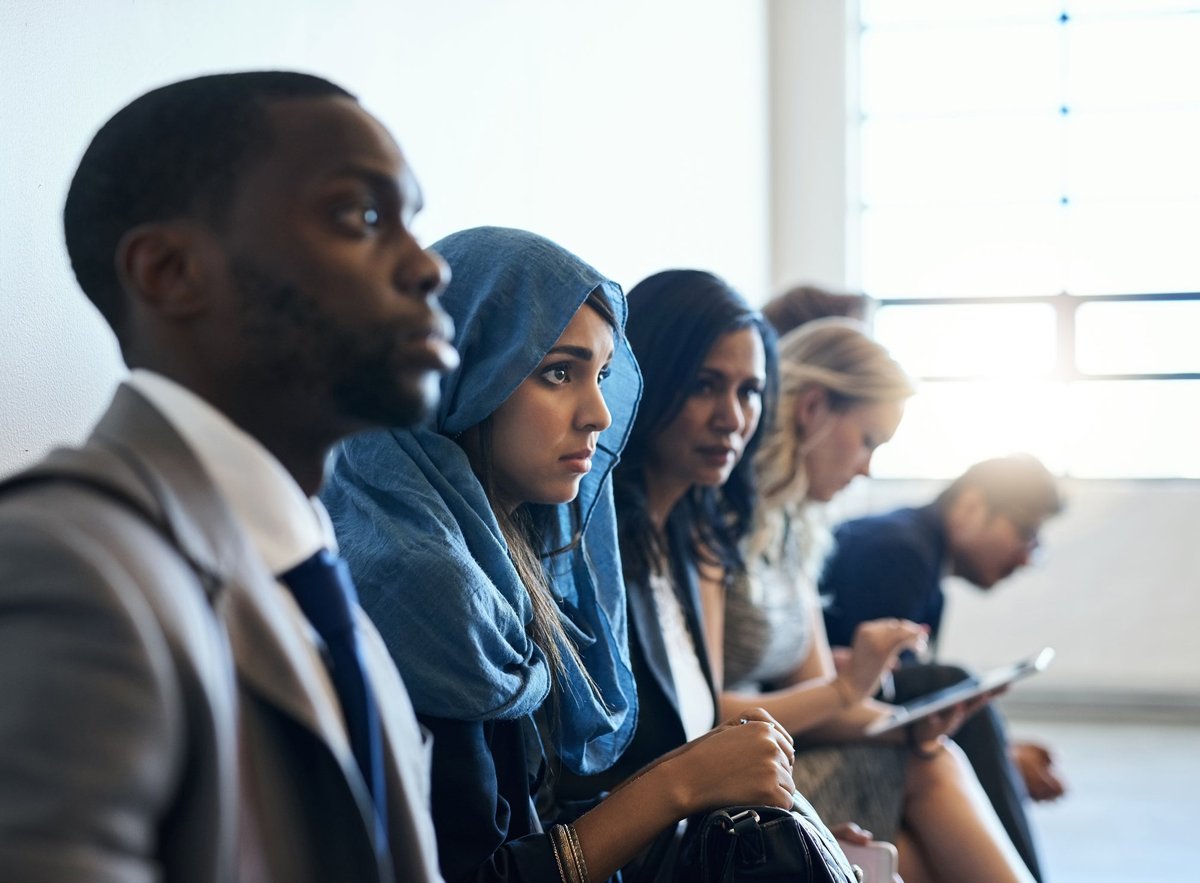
(878, 860)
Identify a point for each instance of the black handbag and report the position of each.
(762, 843)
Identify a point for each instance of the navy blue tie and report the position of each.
(325, 592)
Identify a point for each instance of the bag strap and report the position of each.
(741, 831)
(95, 471)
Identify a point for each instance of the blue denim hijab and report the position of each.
(431, 566)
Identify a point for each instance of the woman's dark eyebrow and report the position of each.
(579, 352)
(717, 372)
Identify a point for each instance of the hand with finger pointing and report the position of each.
(875, 649)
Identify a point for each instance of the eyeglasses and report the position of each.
(1028, 532)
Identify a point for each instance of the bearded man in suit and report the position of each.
(172, 711)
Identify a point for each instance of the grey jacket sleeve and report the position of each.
(91, 720)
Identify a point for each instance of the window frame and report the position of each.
(1064, 306)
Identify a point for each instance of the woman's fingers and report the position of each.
(877, 644)
(760, 714)
(747, 760)
(893, 632)
(849, 832)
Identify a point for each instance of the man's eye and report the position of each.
(359, 217)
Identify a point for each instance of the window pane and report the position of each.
(891, 11)
(878, 12)
(1135, 62)
(1004, 341)
(1155, 337)
(962, 159)
(1136, 428)
(948, 426)
(1099, 429)
(1138, 156)
(961, 68)
(1131, 247)
(987, 250)
(1092, 8)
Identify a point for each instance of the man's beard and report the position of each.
(294, 345)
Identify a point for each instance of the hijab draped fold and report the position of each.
(431, 566)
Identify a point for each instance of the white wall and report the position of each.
(634, 133)
(1118, 591)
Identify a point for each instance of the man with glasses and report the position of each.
(982, 528)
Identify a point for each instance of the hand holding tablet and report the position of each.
(940, 700)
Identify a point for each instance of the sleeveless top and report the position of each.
(768, 622)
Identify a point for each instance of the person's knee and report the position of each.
(928, 774)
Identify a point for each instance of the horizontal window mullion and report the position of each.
(1072, 377)
(1039, 299)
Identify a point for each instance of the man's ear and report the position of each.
(163, 265)
(968, 512)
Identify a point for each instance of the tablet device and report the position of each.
(960, 692)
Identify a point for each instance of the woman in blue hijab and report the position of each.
(484, 548)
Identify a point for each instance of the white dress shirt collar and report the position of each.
(284, 524)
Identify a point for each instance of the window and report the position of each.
(1030, 223)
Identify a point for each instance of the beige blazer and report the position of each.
(159, 719)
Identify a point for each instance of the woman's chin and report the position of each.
(558, 494)
(712, 477)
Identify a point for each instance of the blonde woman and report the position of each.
(841, 396)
